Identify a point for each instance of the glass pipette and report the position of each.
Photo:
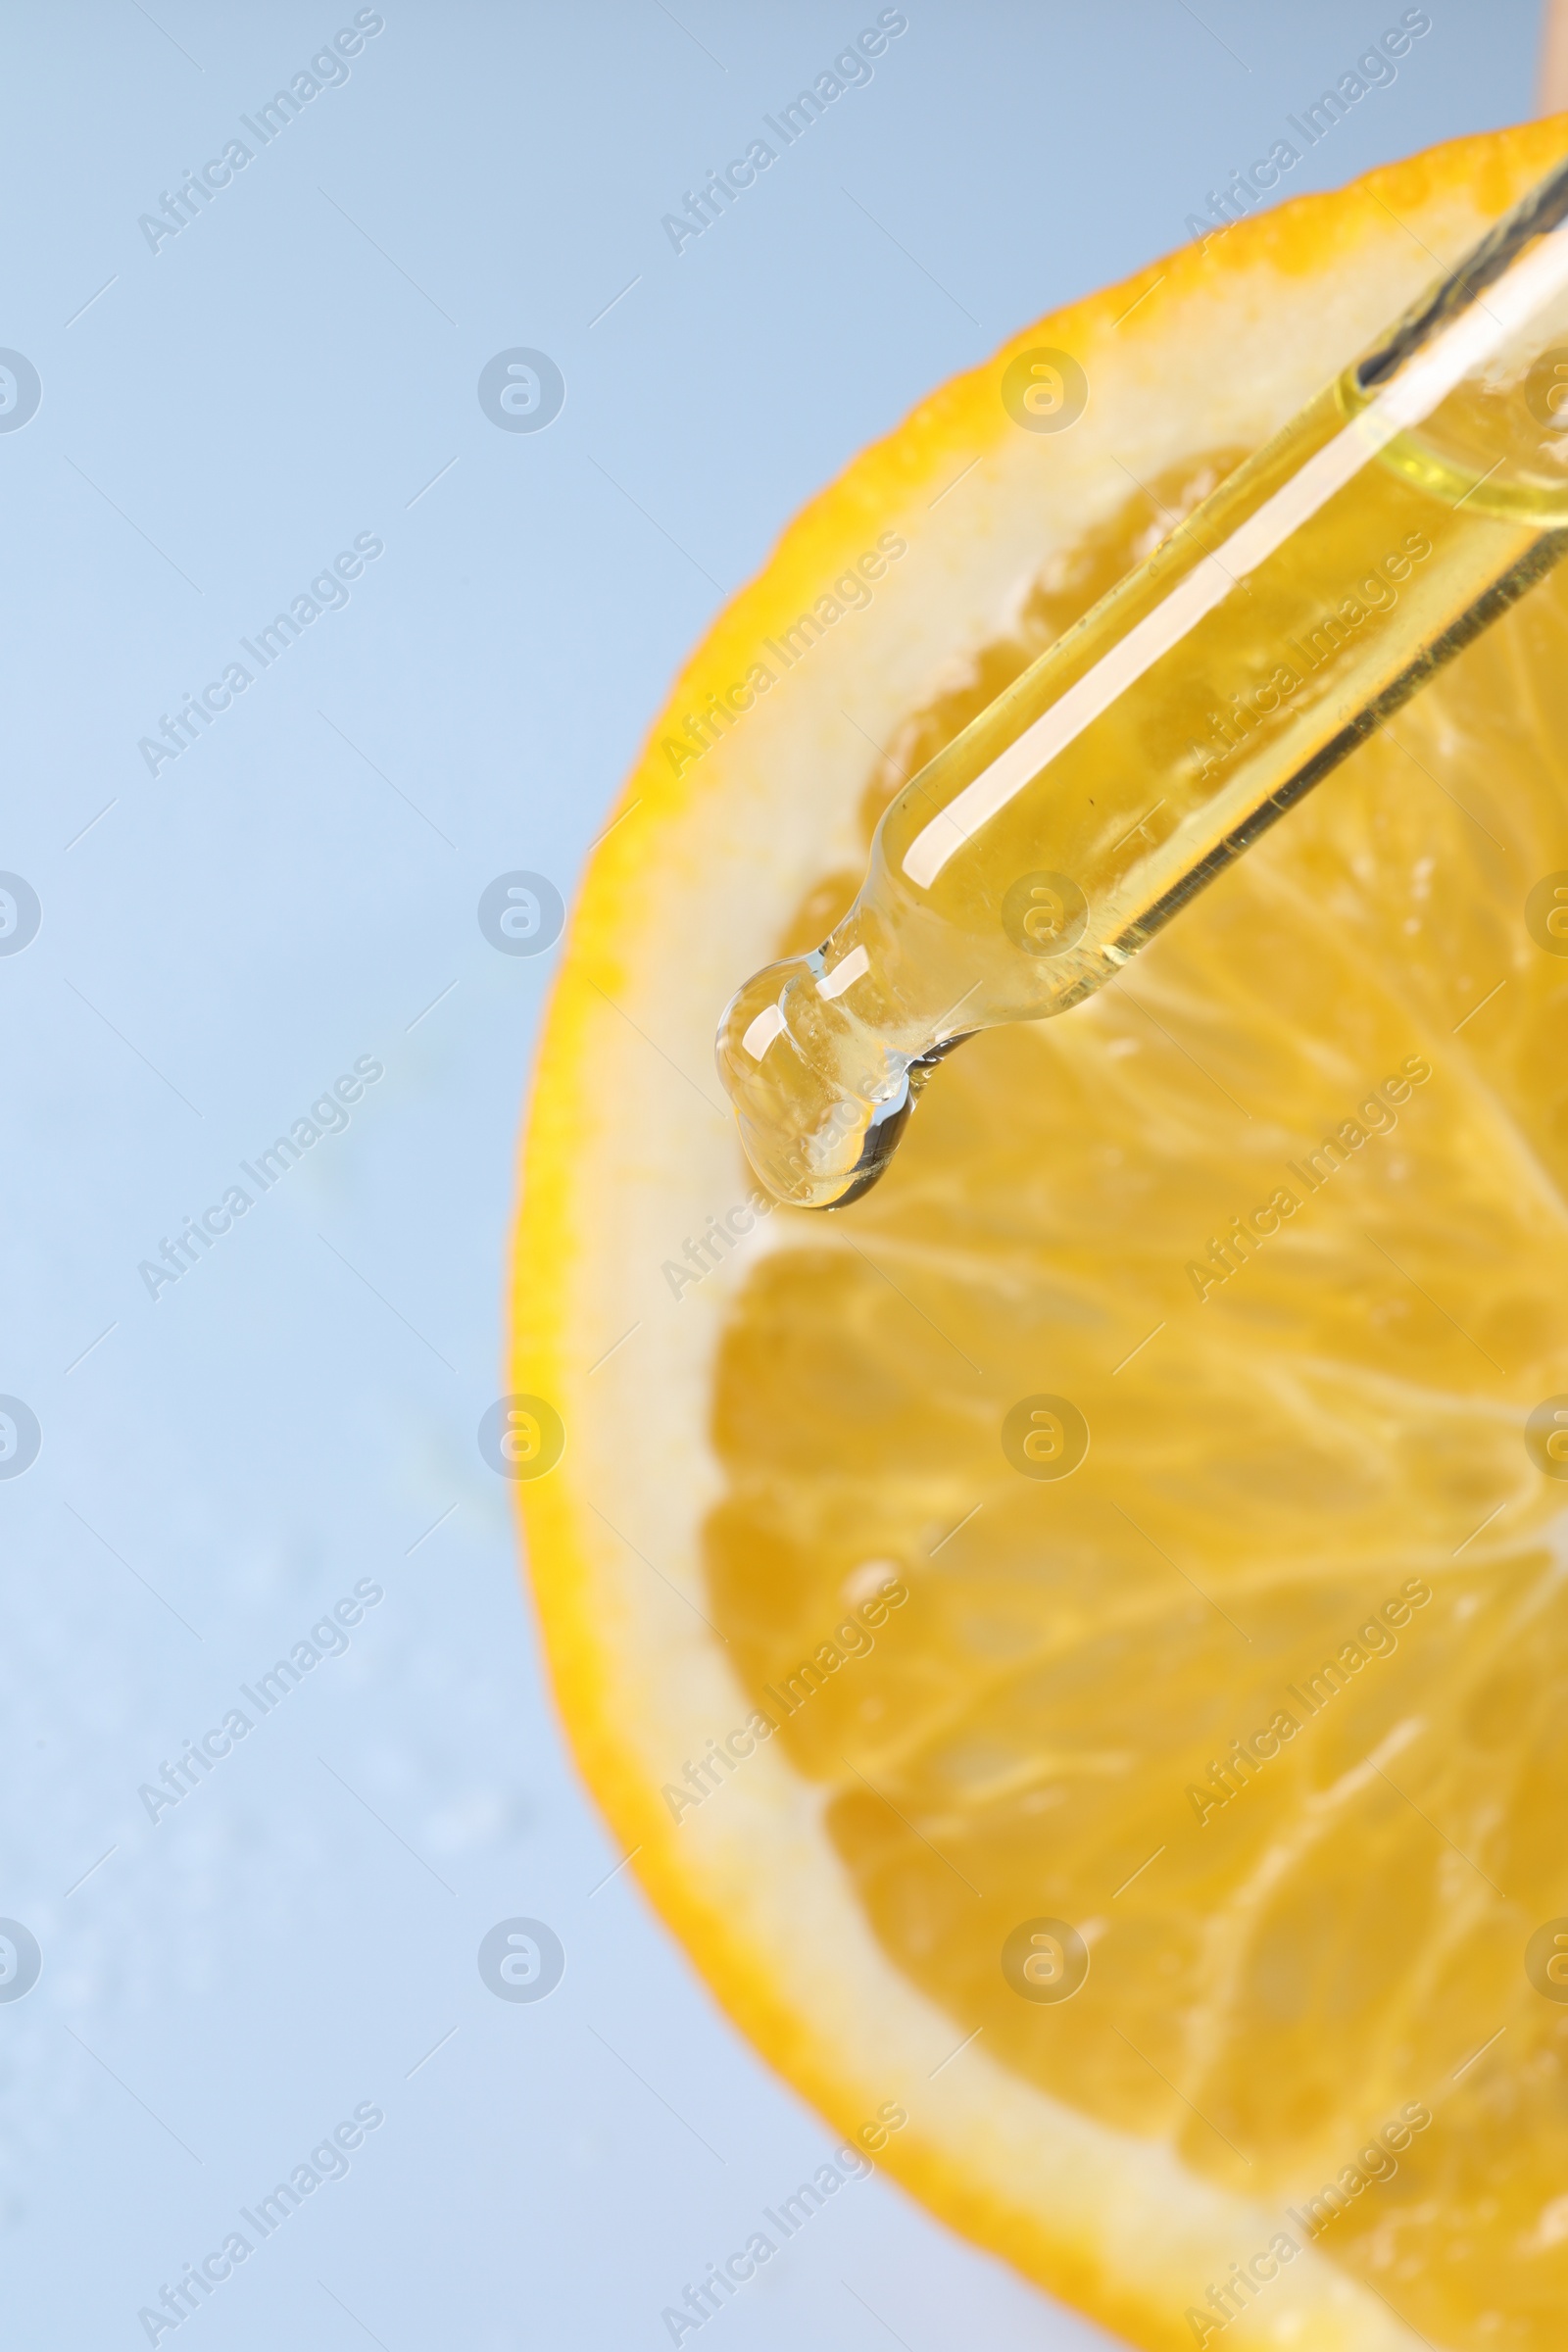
(1310, 596)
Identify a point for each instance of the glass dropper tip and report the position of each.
(820, 1098)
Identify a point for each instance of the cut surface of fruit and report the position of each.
(1174, 1846)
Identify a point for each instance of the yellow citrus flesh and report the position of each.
(1307, 1510)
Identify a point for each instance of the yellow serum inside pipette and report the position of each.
(1183, 715)
(1205, 745)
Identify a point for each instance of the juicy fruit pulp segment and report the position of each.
(1219, 681)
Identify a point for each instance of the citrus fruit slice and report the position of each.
(1075, 1643)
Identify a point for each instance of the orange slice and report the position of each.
(1156, 1868)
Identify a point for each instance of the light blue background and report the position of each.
(226, 940)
